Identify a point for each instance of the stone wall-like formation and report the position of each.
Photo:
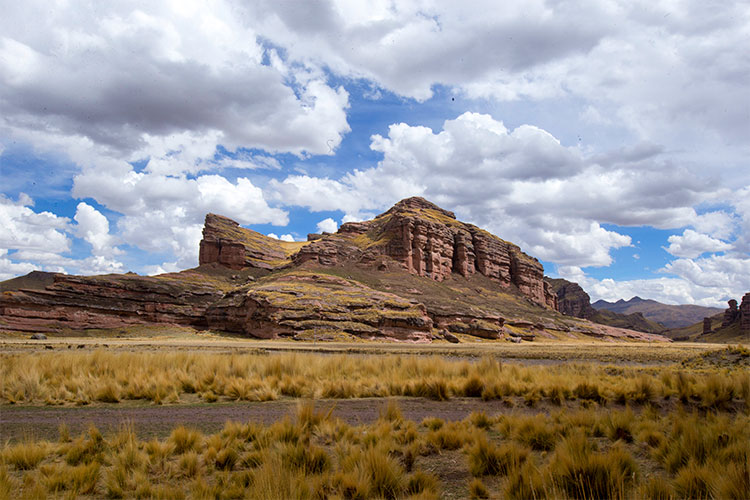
(428, 241)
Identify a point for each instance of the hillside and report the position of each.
(670, 316)
(572, 300)
(732, 325)
(414, 273)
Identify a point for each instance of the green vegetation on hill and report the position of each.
(634, 321)
(670, 316)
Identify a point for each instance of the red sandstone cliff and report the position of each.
(414, 273)
(425, 240)
(109, 301)
(227, 243)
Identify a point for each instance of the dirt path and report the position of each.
(158, 421)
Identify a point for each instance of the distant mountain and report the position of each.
(572, 300)
(668, 315)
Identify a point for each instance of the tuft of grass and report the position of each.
(79, 480)
(385, 474)
(309, 459)
(694, 481)
(588, 392)
(536, 433)
(480, 420)
(716, 392)
(421, 483)
(473, 387)
(580, 471)
(656, 488)
(526, 482)
(184, 439)
(25, 455)
(477, 489)
(618, 425)
(487, 459)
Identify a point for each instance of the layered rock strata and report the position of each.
(731, 314)
(572, 300)
(423, 239)
(745, 314)
(305, 303)
(227, 243)
(110, 301)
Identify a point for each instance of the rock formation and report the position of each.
(109, 301)
(731, 314)
(423, 239)
(745, 315)
(707, 328)
(226, 243)
(407, 275)
(572, 300)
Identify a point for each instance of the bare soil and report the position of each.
(158, 421)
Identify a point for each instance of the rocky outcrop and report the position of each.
(745, 314)
(731, 314)
(707, 328)
(306, 303)
(406, 275)
(423, 239)
(227, 243)
(572, 300)
(110, 301)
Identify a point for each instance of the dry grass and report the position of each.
(589, 455)
(100, 377)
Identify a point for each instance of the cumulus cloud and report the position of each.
(692, 244)
(127, 74)
(522, 184)
(25, 229)
(668, 73)
(94, 228)
(327, 226)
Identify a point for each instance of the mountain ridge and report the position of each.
(671, 316)
(413, 273)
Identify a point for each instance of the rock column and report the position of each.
(745, 314)
(730, 315)
(707, 326)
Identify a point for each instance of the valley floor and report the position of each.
(198, 416)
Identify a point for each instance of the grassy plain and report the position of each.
(581, 420)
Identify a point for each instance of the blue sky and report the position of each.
(607, 138)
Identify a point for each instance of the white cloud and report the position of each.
(10, 269)
(692, 244)
(522, 184)
(287, 237)
(165, 214)
(328, 226)
(28, 230)
(665, 72)
(273, 235)
(127, 77)
(94, 228)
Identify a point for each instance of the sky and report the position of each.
(609, 139)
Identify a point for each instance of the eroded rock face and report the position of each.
(731, 314)
(707, 326)
(425, 240)
(745, 314)
(302, 303)
(112, 301)
(227, 243)
(572, 300)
